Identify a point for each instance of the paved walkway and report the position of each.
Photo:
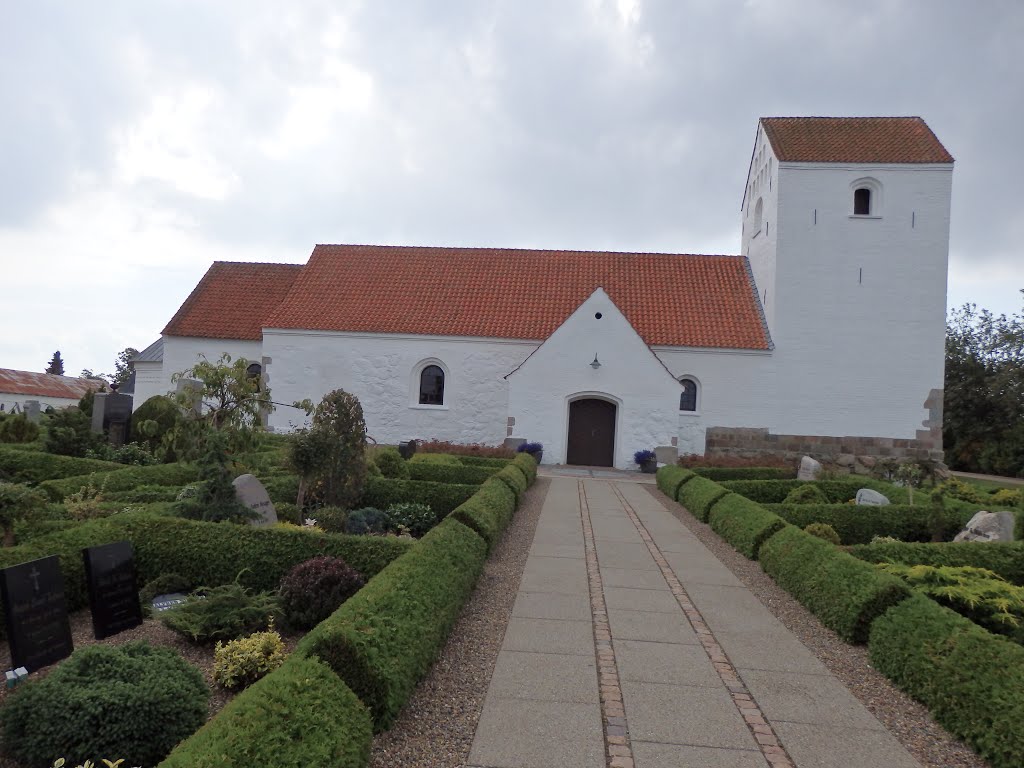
(631, 645)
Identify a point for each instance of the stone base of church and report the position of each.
(856, 454)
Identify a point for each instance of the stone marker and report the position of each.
(809, 469)
(36, 614)
(32, 410)
(989, 526)
(113, 591)
(871, 498)
(112, 413)
(166, 602)
(666, 454)
(251, 492)
(514, 442)
(406, 449)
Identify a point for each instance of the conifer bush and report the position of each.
(806, 494)
(222, 613)
(18, 429)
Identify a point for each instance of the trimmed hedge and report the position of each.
(745, 473)
(282, 489)
(382, 641)
(488, 511)
(32, 467)
(837, 491)
(528, 465)
(670, 478)
(483, 461)
(514, 478)
(858, 524)
(299, 715)
(1003, 558)
(123, 479)
(459, 474)
(442, 498)
(699, 494)
(743, 523)
(846, 594)
(970, 679)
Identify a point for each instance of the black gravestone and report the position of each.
(38, 629)
(113, 593)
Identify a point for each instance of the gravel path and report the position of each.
(909, 722)
(436, 728)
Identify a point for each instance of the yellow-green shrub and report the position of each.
(240, 663)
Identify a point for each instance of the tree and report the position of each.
(330, 456)
(122, 369)
(983, 412)
(215, 500)
(56, 365)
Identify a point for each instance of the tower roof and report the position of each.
(854, 140)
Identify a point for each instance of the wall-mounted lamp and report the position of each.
(596, 364)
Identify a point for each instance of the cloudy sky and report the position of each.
(139, 142)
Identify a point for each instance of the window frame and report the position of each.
(416, 382)
(696, 395)
(875, 199)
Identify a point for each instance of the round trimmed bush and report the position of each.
(418, 518)
(806, 494)
(313, 590)
(134, 701)
(391, 464)
(366, 520)
(823, 531)
(330, 519)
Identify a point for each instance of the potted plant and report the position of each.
(647, 460)
(534, 449)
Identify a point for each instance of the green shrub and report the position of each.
(745, 473)
(1005, 497)
(313, 590)
(385, 638)
(514, 478)
(391, 464)
(449, 473)
(380, 492)
(488, 511)
(69, 433)
(144, 494)
(528, 464)
(222, 613)
(17, 466)
(1003, 558)
(330, 519)
(698, 495)
(133, 701)
(837, 491)
(846, 594)
(743, 523)
(164, 414)
(670, 478)
(366, 520)
(480, 461)
(240, 663)
(416, 518)
(806, 494)
(282, 489)
(435, 459)
(959, 489)
(123, 479)
(18, 503)
(287, 512)
(971, 680)
(18, 429)
(129, 453)
(858, 524)
(299, 715)
(823, 531)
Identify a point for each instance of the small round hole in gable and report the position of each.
(597, 315)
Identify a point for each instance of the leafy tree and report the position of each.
(330, 456)
(227, 399)
(56, 365)
(122, 369)
(984, 392)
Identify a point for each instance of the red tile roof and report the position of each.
(233, 300)
(675, 300)
(44, 384)
(854, 140)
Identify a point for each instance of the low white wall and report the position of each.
(8, 401)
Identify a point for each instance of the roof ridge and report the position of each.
(567, 251)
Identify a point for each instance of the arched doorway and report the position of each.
(591, 433)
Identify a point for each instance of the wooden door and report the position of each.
(591, 433)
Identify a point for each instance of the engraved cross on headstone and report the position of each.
(34, 575)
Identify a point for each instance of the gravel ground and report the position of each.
(909, 722)
(436, 728)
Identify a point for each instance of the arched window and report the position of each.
(688, 396)
(758, 213)
(254, 371)
(862, 201)
(432, 385)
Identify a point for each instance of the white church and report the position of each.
(824, 335)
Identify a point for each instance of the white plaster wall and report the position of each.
(379, 370)
(759, 244)
(860, 328)
(149, 381)
(181, 352)
(8, 401)
(646, 395)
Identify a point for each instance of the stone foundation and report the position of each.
(852, 454)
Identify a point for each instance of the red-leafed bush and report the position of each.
(313, 590)
(466, 449)
(691, 460)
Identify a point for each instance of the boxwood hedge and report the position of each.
(442, 498)
(698, 495)
(846, 594)
(857, 524)
(449, 473)
(514, 478)
(970, 679)
(1004, 558)
(382, 641)
(745, 473)
(483, 461)
(299, 715)
(488, 511)
(32, 467)
(670, 478)
(123, 479)
(837, 491)
(743, 523)
(528, 464)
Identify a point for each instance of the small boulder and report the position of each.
(871, 498)
(989, 526)
(809, 469)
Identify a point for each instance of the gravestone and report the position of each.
(514, 442)
(251, 492)
(38, 630)
(112, 413)
(871, 498)
(407, 449)
(113, 591)
(194, 389)
(666, 454)
(989, 526)
(163, 603)
(32, 410)
(809, 469)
